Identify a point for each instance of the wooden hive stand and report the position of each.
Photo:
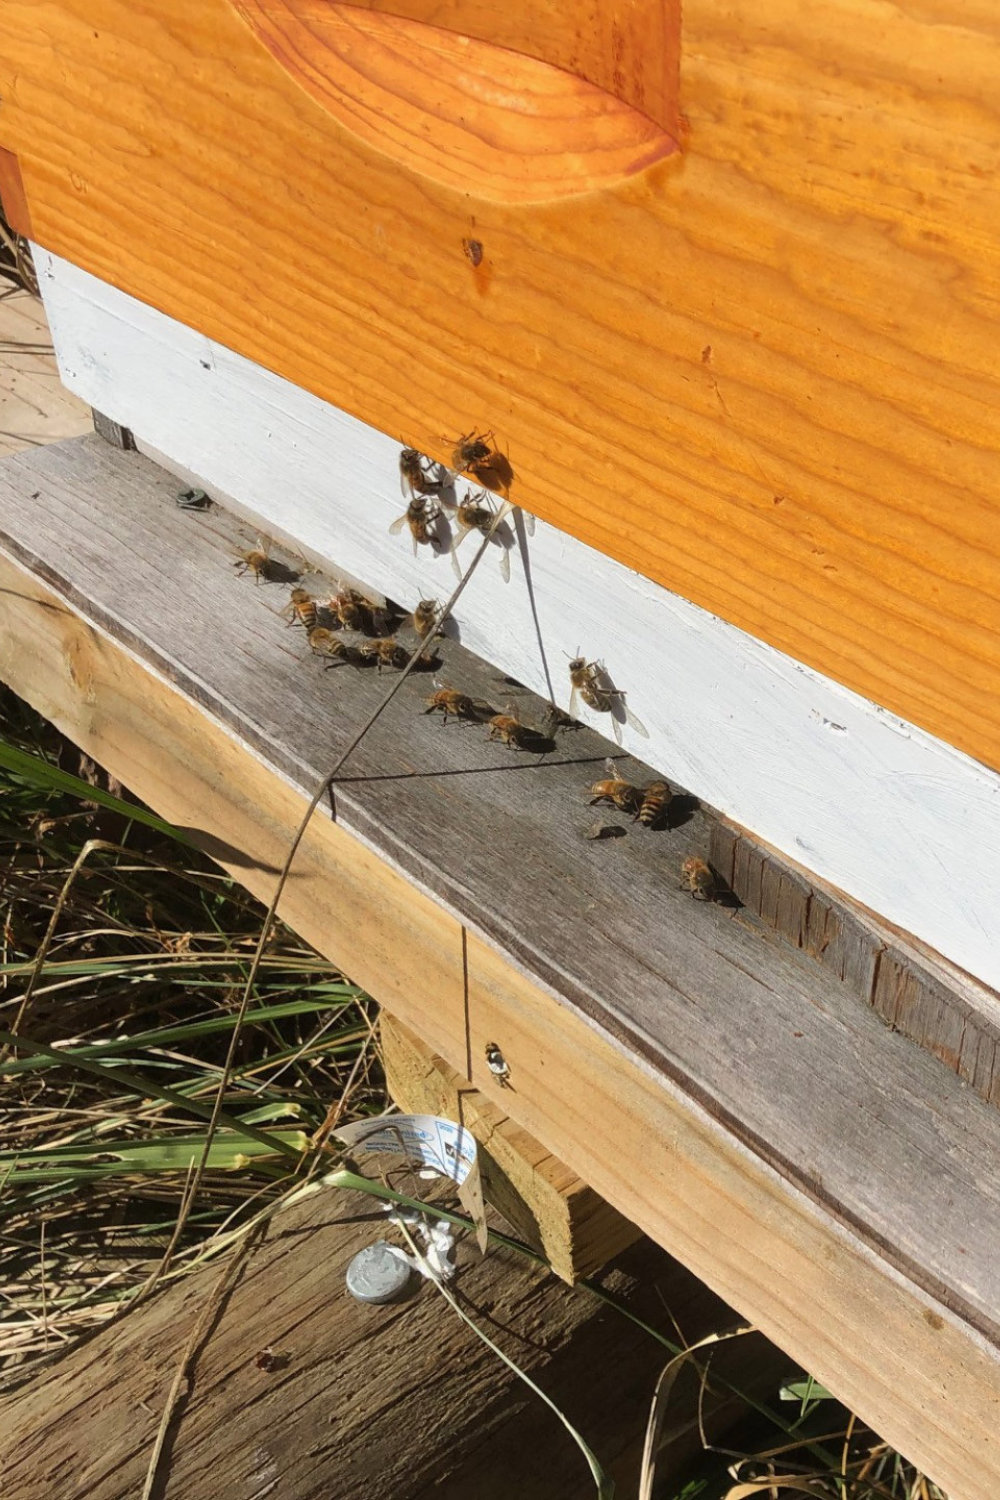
(717, 286)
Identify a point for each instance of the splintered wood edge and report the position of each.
(808, 1280)
(915, 991)
(575, 1229)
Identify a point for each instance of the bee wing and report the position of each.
(574, 702)
(398, 524)
(634, 722)
(529, 522)
(504, 563)
(611, 767)
(460, 536)
(405, 485)
(617, 729)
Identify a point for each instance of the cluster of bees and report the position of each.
(372, 640)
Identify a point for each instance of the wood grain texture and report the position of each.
(547, 1204)
(12, 195)
(35, 407)
(646, 1033)
(911, 987)
(778, 748)
(762, 372)
(509, 127)
(402, 1401)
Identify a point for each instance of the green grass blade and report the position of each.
(41, 774)
(144, 1087)
(160, 1037)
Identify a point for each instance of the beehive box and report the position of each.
(722, 285)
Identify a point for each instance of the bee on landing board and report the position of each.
(698, 878)
(474, 455)
(353, 611)
(301, 609)
(655, 809)
(421, 517)
(257, 561)
(591, 682)
(450, 702)
(414, 479)
(476, 514)
(508, 728)
(323, 642)
(616, 790)
(386, 652)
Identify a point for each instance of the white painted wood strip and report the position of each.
(896, 818)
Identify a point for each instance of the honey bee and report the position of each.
(591, 682)
(451, 702)
(425, 618)
(420, 516)
(508, 728)
(301, 608)
(616, 790)
(323, 642)
(490, 468)
(698, 878)
(351, 610)
(498, 1065)
(413, 477)
(257, 561)
(656, 800)
(386, 652)
(473, 515)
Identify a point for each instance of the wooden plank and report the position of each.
(403, 1401)
(34, 406)
(912, 988)
(782, 335)
(821, 1173)
(546, 1203)
(306, 471)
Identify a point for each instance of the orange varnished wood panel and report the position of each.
(763, 371)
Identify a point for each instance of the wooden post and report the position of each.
(548, 1205)
(351, 1399)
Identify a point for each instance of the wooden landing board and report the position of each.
(872, 804)
(825, 1176)
(761, 370)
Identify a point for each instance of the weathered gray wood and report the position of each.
(779, 1052)
(914, 991)
(399, 1402)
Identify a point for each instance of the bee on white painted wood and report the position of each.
(421, 516)
(476, 513)
(591, 682)
(414, 478)
(616, 790)
(497, 1064)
